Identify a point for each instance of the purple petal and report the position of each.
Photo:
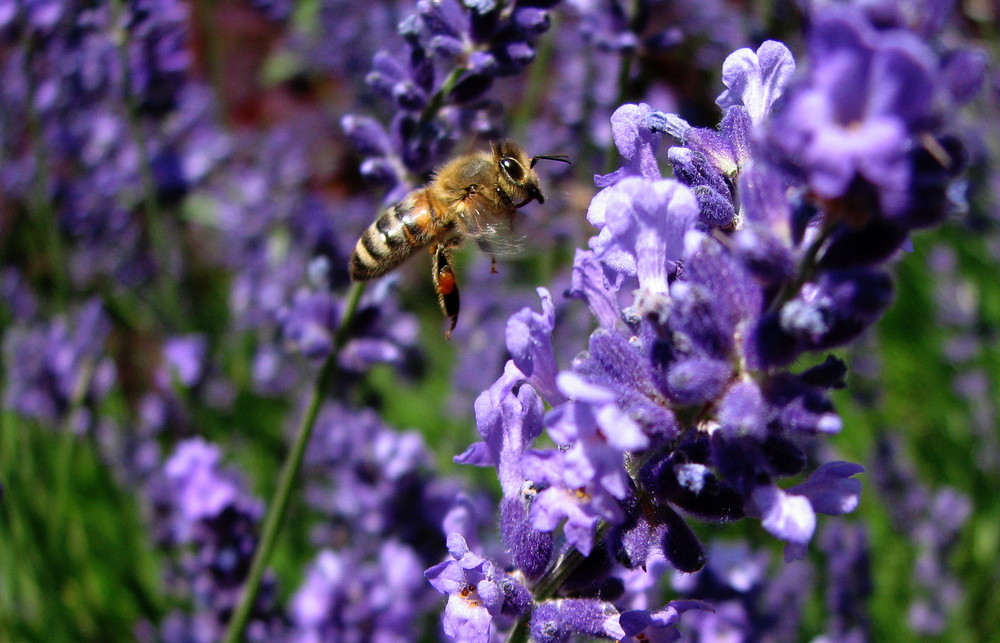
(647, 221)
(788, 517)
(830, 489)
(529, 340)
(589, 285)
(635, 141)
(756, 80)
(508, 422)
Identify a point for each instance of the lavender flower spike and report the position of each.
(756, 80)
(585, 481)
(867, 93)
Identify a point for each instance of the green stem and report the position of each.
(806, 268)
(437, 100)
(539, 79)
(290, 471)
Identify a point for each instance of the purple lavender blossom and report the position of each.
(19, 303)
(869, 95)
(59, 371)
(370, 481)
(290, 255)
(557, 621)
(204, 511)
(115, 107)
(957, 313)
(529, 339)
(383, 515)
(487, 307)
(850, 584)
(767, 246)
(455, 52)
(642, 229)
(659, 626)
(184, 359)
(477, 593)
(346, 598)
(710, 161)
(756, 80)
(508, 420)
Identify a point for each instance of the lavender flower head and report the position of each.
(455, 52)
(477, 592)
(768, 246)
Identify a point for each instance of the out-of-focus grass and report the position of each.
(75, 561)
(917, 403)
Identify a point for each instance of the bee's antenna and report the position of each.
(562, 158)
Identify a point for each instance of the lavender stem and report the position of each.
(290, 471)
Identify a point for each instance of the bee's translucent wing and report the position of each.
(494, 234)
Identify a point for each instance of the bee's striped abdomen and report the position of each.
(397, 234)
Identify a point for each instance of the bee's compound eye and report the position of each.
(512, 169)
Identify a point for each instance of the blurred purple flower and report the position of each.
(346, 598)
(932, 520)
(371, 482)
(203, 510)
(58, 371)
(867, 93)
(455, 51)
(747, 603)
(850, 582)
(184, 359)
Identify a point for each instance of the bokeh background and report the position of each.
(181, 184)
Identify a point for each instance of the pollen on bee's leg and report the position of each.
(446, 286)
(493, 266)
(446, 283)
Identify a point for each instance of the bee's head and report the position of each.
(516, 176)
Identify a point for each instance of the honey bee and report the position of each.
(475, 196)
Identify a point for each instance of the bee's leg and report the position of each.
(446, 285)
(493, 265)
